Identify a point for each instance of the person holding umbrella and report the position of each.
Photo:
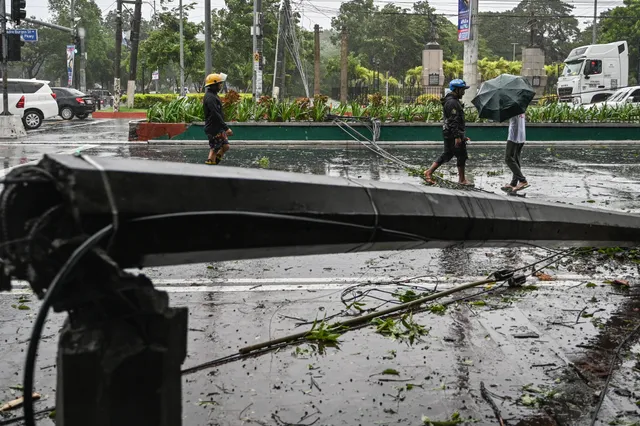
(507, 97)
(515, 143)
(453, 132)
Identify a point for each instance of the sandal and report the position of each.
(209, 162)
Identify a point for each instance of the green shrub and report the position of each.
(428, 99)
(548, 99)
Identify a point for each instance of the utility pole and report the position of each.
(256, 32)
(471, 46)
(277, 63)
(514, 52)
(207, 38)
(344, 62)
(133, 64)
(181, 52)
(5, 60)
(116, 63)
(316, 59)
(83, 60)
(595, 22)
(72, 16)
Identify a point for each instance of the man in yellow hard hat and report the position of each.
(214, 125)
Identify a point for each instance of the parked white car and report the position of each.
(33, 100)
(625, 96)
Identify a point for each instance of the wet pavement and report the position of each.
(542, 352)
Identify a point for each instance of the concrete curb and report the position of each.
(321, 144)
(354, 144)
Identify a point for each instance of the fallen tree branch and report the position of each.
(366, 318)
(494, 407)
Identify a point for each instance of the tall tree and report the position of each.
(393, 35)
(556, 30)
(623, 23)
(161, 50)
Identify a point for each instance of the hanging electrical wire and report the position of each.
(292, 43)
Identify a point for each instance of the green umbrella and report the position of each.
(503, 97)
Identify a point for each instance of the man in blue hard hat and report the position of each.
(453, 132)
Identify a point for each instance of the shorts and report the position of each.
(216, 142)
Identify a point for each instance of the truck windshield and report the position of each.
(572, 68)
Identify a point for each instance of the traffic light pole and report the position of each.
(5, 64)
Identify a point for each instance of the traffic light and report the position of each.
(18, 11)
(14, 44)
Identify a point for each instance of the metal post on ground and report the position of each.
(513, 58)
(208, 60)
(5, 63)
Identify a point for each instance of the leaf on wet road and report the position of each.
(544, 277)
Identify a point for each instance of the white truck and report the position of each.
(593, 73)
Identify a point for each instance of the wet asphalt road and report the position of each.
(234, 304)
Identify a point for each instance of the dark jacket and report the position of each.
(454, 125)
(213, 114)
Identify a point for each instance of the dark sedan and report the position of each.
(72, 102)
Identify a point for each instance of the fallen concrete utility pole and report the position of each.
(98, 216)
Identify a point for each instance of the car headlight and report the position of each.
(576, 101)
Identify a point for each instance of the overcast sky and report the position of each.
(320, 11)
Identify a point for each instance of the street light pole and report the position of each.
(181, 52)
(513, 58)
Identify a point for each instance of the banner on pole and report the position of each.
(464, 19)
(71, 54)
(155, 75)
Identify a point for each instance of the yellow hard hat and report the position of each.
(215, 78)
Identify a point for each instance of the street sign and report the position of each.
(29, 35)
(155, 75)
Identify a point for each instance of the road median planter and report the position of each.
(314, 132)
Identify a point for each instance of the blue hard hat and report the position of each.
(458, 84)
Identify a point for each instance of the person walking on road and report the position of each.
(453, 132)
(515, 143)
(215, 127)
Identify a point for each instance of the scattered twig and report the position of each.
(281, 422)
(255, 286)
(395, 380)
(293, 318)
(245, 409)
(561, 323)
(603, 393)
(224, 390)
(494, 407)
(15, 403)
(549, 364)
(580, 314)
(314, 383)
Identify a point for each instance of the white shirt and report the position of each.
(517, 131)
